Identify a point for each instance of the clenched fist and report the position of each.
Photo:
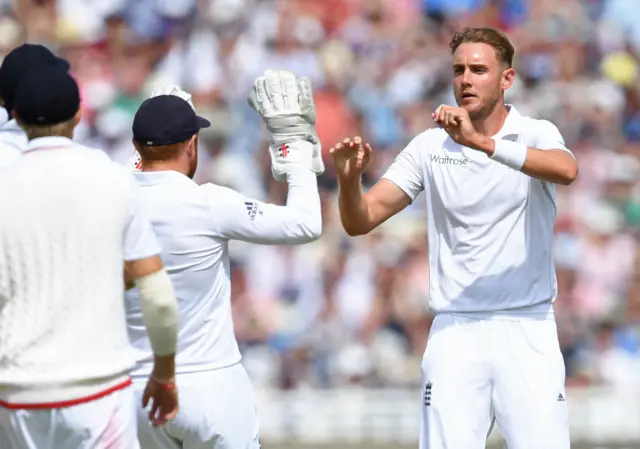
(457, 123)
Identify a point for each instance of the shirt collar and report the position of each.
(10, 125)
(150, 178)
(511, 126)
(48, 142)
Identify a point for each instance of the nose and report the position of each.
(465, 79)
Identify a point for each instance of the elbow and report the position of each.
(355, 231)
(569, 175)
(310, 229)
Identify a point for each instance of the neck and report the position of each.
(37, 135)
(491, 125)
(164, 166)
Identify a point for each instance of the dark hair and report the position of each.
(485, 35)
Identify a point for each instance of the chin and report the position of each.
(474, 109)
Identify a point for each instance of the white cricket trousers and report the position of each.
(508, 370)
(105, 423)
(217, 410)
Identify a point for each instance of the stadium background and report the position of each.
(333, 332)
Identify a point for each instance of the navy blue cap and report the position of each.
(46, 96)
(166, 119)
(18, 62)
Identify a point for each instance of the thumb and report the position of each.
(252, 100)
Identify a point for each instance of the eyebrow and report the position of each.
(472, 65)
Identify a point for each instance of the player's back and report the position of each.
(62, 325)
(183, 216)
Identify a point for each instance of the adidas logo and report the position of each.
(252, 209)
(560, 398)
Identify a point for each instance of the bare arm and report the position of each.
(361, 212)
(552, 165)
(546, 158)
(402, 182)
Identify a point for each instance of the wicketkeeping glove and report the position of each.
(167, 89)
(287, 108)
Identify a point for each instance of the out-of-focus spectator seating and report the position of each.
(354, 311)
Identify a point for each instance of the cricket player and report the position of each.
(14, 66)
(194, 224)
(70, 227)
(489, 177)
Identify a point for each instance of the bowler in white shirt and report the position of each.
(194, 224)
(489, 176)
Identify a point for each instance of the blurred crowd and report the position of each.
(355, 310)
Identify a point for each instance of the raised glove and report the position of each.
(286, 106)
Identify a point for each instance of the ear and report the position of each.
(17, 118)
(78, 117)
(508, 77)
(193, 145)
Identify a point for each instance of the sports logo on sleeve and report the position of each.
(252, 209)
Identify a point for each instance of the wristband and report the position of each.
(165, 386)
(511, 154)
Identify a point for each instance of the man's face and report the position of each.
(479, 79)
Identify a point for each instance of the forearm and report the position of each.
(300, 221)
(303, 207)
(354, 212)
(159, 312)
(557, 166)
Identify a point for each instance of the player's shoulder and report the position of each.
(534, 127)
(99, 163)
(427, 139)
(217, 194)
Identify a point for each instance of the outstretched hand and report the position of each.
(350, 158)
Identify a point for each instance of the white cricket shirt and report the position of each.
(13, 141)
(194, 224)
(490, 227)
(69, 219)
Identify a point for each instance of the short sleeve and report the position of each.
(406, 170)
(139, 238)
(548, 137)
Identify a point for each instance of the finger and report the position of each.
(447, 118)
(262, 97)
(451, 118)
(153, 413)
(437, 113)
(172, 414)
(358, 141)
(304, 90)
(366, 157)
(290, 95)
(145, 399)
(274, 89)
